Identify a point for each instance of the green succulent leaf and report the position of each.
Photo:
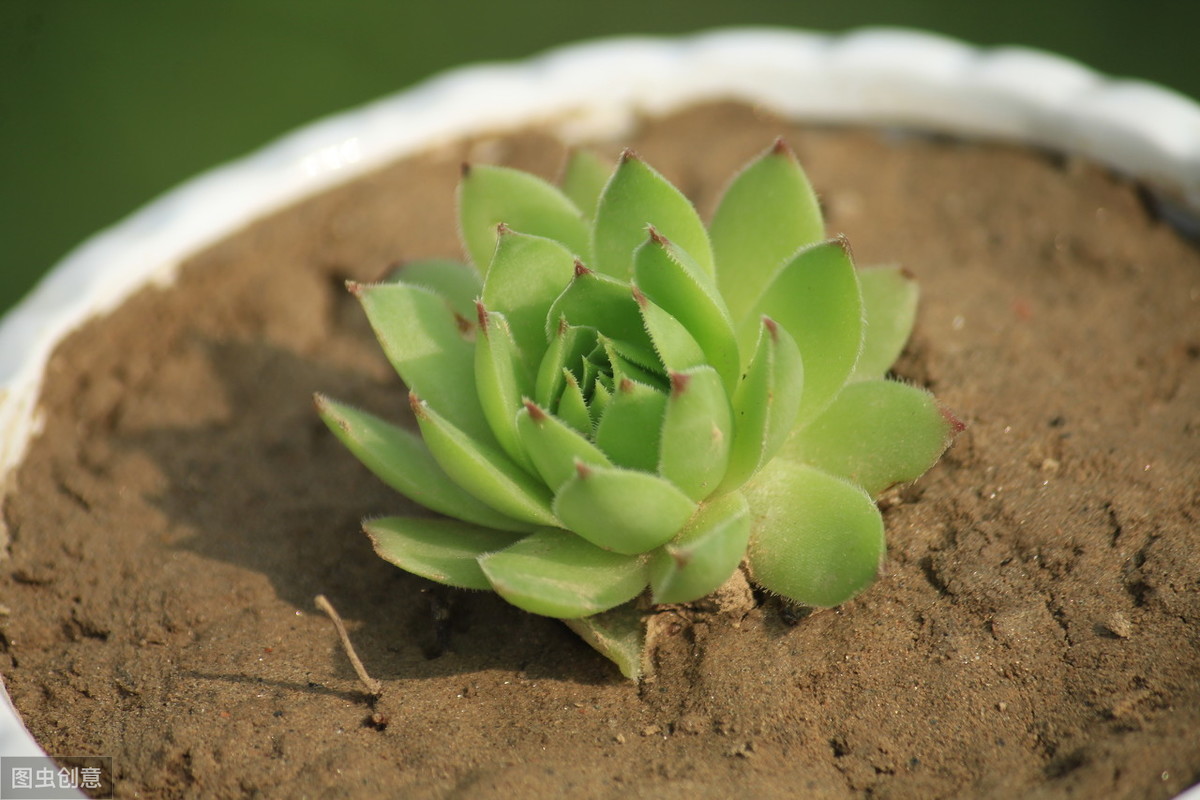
(569, 345)
(594, 300)
(889, 309)
(635, 197)
(486, 473)
(619, 634)
(489, 195)
(401, 459)
(670, 278)
(704, 553)
(768, 213)
(527, 275)
(814, 538)
(426, 344)
(455, 282)
(503, 380)
(817, 298)
(584, 179)
(555, 446)
(557, 574)
(876, 433)
(697, 431)
(631, 427)
(441, 550)
(766, 402)
(622, 510)
(676, 348)
(572, 406)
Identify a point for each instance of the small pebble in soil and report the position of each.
(1117, 625)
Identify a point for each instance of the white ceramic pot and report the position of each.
(871, 77)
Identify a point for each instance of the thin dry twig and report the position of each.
(374, 687)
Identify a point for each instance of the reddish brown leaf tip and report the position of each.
(465, 169)
(580, 269)
(626, 385)
(355, 288)
(582, 470)
(502, 229)
(562, 326)
(907, 274)
(957, 426)
(639, 297)
(841, 241)
(772, 328)
(657, 237)
(536, 414)
(629, 154)
(782, 148)
(679, 383)
(418, 408)
(681, 557)
(481, 314)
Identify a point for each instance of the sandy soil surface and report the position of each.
(1036, 632)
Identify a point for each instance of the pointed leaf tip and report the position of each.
(482, 315)
(957, 426)
(679, 382)
(583, 470)
(502, 229)
(629, 154)
(580, 269)
(772, 328)
(464, 169)
(535, 412)
(782, 148)
(639, 296)
(657, 237)
(841, 241)
(416, 404)
(355, 288)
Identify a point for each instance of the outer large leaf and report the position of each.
(816, 297)
(558, 574)
(555, 447)
(584, 179)
(457, 283)
(502, 380)
(697, 431)
(889, 309)
(527, 274)
(399, 458)
(768, 213)
(622, 510)
(766, 403)
(619, 634)
(704, 554)
(441, 550)
(486, 473)
(876, 433)
(814, 538)
(426, 345)
(634, 198)
(488, 196)
(673, 281)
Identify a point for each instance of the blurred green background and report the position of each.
(106, 103)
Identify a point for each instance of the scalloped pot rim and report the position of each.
(883, 77)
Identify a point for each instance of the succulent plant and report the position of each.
(617, 405)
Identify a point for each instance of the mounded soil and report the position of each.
(1036, 632)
